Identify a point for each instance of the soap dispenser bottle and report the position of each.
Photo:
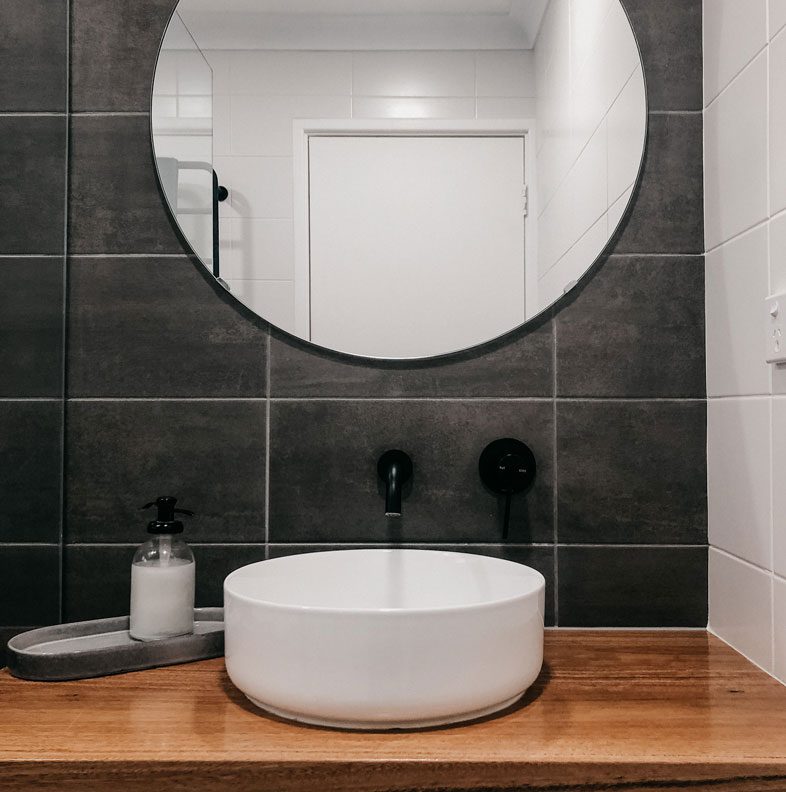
(162, 578)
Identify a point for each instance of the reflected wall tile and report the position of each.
(632, 586)
(30, 474)
(615, 339)
(632, 472)
(114, 44)
(209, 454)
(31, 327)
(32, 184)
(324, 485)
(115, 204)
(142, 327)
(425, 73)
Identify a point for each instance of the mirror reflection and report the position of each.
(398, 178)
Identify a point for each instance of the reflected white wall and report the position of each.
(182, 120)
(591, 113)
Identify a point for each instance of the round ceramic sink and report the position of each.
(384, 639)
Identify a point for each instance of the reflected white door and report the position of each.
(416, 242)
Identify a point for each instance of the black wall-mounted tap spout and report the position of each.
(395, 470)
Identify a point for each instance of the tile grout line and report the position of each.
(382, 399)
(735, 77)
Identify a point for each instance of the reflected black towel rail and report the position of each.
(220, 193)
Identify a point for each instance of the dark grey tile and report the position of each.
(214, 563)
(31, 327)
(32, 183)
(540, 558)
(521, 364)
(636, 329)
(115, 204)
(29, 584)
(114, 45)
(669, 35)
(156, 327)
(97, 583)
(324, 486)
(33, 64)
(632, 586)
(209, 454)
(30, 473)
(667, 214)
(632, 472)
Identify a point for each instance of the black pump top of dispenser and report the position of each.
(165, 522)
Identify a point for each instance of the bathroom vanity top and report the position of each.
(611, 710)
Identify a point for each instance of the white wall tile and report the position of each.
(506, 107)
(734, 32)
(779, 485)
(222, 127)
(414, 74)
(275, 300)
(573, 264)
(627, 122)
(588, 182)
(621, 52)
(736, 285)
(738, 477)
(505, 73)
(194, 75)
(777, 16)
(412, 107)
(260, 187)
(741, 607)
(292, 73)
(262, 125)
(780, 628)
(778, 253)
(778, 123)
(617, 209)
(735, 156)
(261, 249)
(220, 62)
(586, 20)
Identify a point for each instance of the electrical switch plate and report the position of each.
(776, 328)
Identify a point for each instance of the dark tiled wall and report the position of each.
(172, 387)
(33, 156)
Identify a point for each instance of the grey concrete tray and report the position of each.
(104, 646)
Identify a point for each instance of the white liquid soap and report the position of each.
(163, 577)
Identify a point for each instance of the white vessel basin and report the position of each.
(383, 639)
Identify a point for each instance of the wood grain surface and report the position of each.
(655, 710)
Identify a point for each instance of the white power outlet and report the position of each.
(776, 328)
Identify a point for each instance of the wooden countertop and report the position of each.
(611, 711)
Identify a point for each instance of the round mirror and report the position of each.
(398, 178)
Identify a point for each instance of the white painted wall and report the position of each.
(591, 119)
(257, 95)
(182, 124)
(745, 231)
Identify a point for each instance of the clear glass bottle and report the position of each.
(163, 576)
